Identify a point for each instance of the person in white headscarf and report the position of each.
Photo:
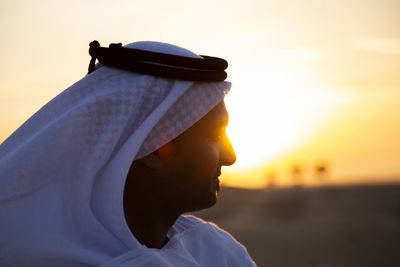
(101, 175)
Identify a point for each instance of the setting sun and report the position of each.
(306, 86)
(314, 121)
(273, 111)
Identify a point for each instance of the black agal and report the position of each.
(205, 68)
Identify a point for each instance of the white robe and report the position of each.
(62, 173)
(193, 242)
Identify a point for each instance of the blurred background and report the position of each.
(314, 109)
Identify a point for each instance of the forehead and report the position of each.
(216, 117)
(214, 120)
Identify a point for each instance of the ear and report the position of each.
(160, 157)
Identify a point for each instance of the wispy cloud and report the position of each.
(376, 44)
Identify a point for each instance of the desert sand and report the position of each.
(320, 226)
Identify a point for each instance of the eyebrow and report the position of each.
(221, 121)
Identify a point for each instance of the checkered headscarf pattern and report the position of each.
(189, 108)
(64, 170)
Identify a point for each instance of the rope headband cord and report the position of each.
(205, 68)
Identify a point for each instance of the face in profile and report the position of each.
(195, 161)
(183, 175)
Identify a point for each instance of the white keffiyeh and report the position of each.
(62, 173)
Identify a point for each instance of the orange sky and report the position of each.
(312, 80)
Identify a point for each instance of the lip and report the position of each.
(217, 183)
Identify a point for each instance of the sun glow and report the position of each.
(272, 112)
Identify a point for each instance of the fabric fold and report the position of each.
(62, 173)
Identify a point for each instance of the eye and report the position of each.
(217, 137)
(217, 134)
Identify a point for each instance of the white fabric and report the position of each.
(63, 171)
(192, 243)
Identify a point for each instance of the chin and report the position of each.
(212, 199)
(201, 205)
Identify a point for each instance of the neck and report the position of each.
(148, 212)
(149, 223)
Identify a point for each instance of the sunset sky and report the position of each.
(314, 82)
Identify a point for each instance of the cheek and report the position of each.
(206, 158)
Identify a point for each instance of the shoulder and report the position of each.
(183, 223)
(192, 223)
(209, 235)
(188, 221)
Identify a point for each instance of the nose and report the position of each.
(227, 156)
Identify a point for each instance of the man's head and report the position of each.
(184, 172)
(73, 156)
